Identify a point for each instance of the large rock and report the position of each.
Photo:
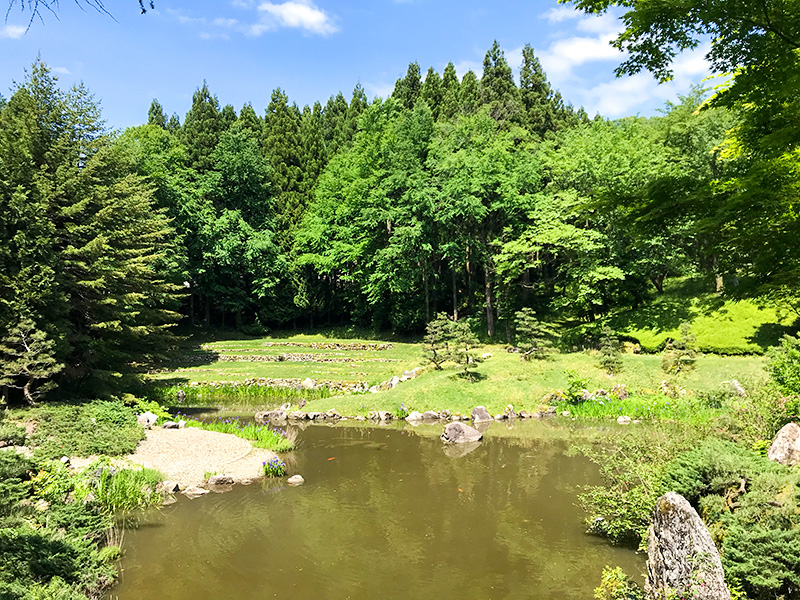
(414, 415)
(170, 425)
(297, 415)
(194, 491)
(308, 384)
(393, 382)
(296, 480)
(430, 415)
(479, 413)
(785, 448)
(220, 480)
(270, 415)
(682, 560)
(459, 433)
(147, 419)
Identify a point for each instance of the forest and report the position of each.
(476, 196)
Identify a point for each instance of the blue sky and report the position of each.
(315, 48)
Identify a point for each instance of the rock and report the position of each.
(246, 482)
(302, 403)
(479, 413)
(307, 384)
(624, 420)
(523, 414)
(64, 460)
(333, 414)
(415, 371)
(374, 389)
(430, 415)
(315, 416)
(147, 419)
(486, 355)
(445, 414)
(385, 415)
(459, 433)
(297, 415)
(170, 425)
(785, 448)
(393, 382)
(456, 417)
(220, 480)
(180, 396)
(361, 418)
(270, 415)
(681, 557)
(620, 391)
(286, 406)
(194, 491)
(181, 424)
(408, 374)
(564, 413)
(500, 417)
(41, 505)
(169, 487)
(414, 416)
(296, 480)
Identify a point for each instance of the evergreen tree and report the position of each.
(432, 91)
(358, 104)
(450, 93)
(469, 94)
(533, 336)
(250, 121)
(407, 89)
(174, 124)
(537, 96)
(497, 87)
(28, 360)
(610, 351)
(227, 117)
(156, 115)
(201, 129)
(334, 124)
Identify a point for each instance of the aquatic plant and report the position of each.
(274, 467)
(261, 436)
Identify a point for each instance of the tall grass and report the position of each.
(229, 394)
(260, 435)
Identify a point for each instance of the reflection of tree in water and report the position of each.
(390, 516)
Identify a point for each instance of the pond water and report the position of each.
(385, 513)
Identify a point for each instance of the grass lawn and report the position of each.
(503, 378)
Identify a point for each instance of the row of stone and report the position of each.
(296, 383)
(296, 357)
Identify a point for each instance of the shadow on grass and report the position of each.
(473, 376)
(665, 314)
(770, 334)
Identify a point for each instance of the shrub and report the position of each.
(115, 489)
(679, 355)
(616, 585)
(533, 337)
(784, 365)
(610, 352)
(577, 391)
(11, 434)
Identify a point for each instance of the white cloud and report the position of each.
(562, 13)
(382, 90)
(468, 65)
(61, 70)
(298, 14)
(561, 57)
(13, 32)
(225, 22)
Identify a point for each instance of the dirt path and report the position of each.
(186, 455)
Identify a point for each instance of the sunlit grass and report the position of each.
(261, 436)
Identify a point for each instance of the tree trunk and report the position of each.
(455, 294)
(26, 391)
(658, 282)
(719, 284)
(238, 319)
(490, 330)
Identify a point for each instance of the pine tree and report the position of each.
(358, 104)
(533, 337)
(227, 117)
(334, 124)
(174, 124)
(250, 121)
(28, 360)
(610, 352)
(537, 96)
(469, 94)
(156, 115)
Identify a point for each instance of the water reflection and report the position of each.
(385, 513)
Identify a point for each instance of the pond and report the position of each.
(385, 513)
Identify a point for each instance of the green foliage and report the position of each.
(577, 391)
(610, 352)
(15, 473)
(534, 338)
(679, 355)
(118, 489)
(784, 365)
(616, 585)
(260, 435)
(12, 434)
(28, 361)
(436, 344)
(99, 427)
(229, 394)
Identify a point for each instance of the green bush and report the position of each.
(784, 365)
(12, 435)
(616, 585)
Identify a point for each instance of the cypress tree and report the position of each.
(497, 87)
(156, 115)
(250, 121)
(227, 116)
(537, 96)
(407, 89)
(469, 94)
(201, 129)
(432, 91)
(358, 104)
(334, 124)
(174, 124)
(450, 92)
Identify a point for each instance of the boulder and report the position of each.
(333, 414)
(459, 433)
(374, 389)
(430, 415)
(316, 416)
(785, 448)
(479, 413)
(414, 416)
(415, 371)
(296, 480)
(564, 413)
(385, 415)
(180, 396)
(147, 419)
(220, 480)
(286, 406)
(486, 355)
(393, 382)
(624, 420)
(445, 414)
(270, 415)
(297, 415)
(308, 384)
(181, 424)
(170, 425)
(407, 375)
(193, 491)
(500, 417)
(169, 487)
(682, 559)
(361, 418)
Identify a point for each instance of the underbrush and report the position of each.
(55, 525)
(98, 427)
(261, 436)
